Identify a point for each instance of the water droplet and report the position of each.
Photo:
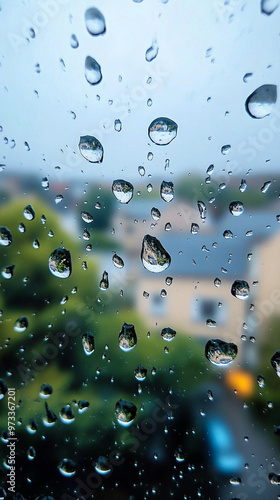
(167, 226)
(91, 149)
(194, 228)
(275, 362)
(103, 466)
(154, 256)
(265, 186)
(45, 391)
(149, 102)
(117, 261)
(269, 6)
(86, 235)
(202, 209)
(122, 190)
(168, 280)
(240, 289)
(127, 337)
(87, 217)
(141, 170)
(37, 68)
(236, 208)
(118, 125)
(150, 156)
(225, 149)
(168, 334)
(74, 42)
(31, 453)
(21, 324)
(243, 186)
(211, 323)
(95, 22)
(60, 263)
(246, 77)
(66, 415)
(36, 244)
(29, 213)
(179, 457)
(227, 234)
(125, 412)
(93, 73)
(149, 188)
(5, 236)
(50, 418)
(82, 406)
(235, 480)
(152, 52)
(261, 381)
(162, 131)
(67, 467)
(88, 343)
(261, 102)
(274, 478)
(104, 283)
(45, 183)
(140, 373)
(220, 352)
(58, 199)
(3, 388)
(8, 272)
(210, 395)
(155, 213)
(21, 228)
(167, 191)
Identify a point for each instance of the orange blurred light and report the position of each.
(241, 381)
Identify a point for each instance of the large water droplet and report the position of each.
(261, 102)
(67, 467)
(21, 324)
(240, 289)
(274, 478)
(152, 52)
(168, 334)
(269, 6)
(125, 412)
(104, 282)
(236, 208)
(127, 337)
(162, 131)
(95, 21)
(92, 71)
(66, 414)
(103, 466)
(5, 236)
(140, 373)
(88, 343)
(275, 362)
(60, 263)
(91, 149)
(167, 191)
(8, 272)
(122, 190)
(220, 352)
(29, 213)
(154, 257)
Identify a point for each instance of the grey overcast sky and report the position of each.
(184, 75)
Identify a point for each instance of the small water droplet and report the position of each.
(31, 453)
(261, 102)
(26, 145)
(67, 467)
(8, 272)
(91, 149)
(88, 343)
(122, 190)
(83, 405)
(93, 73)
(155, 213)
(246, 77)
(60, 263)
(152, 52)
(167, 191)
(265, 186)
(168, 334)
(261, 381)
(211, 323)
(194, 228)
(168, 280)
(275, 362)
(29, 213)
(235, 481)
(66, 415)
(269, 6)
(104, 283)
(21, 324)
(154, 256)
(125, 412)
(210, 395)
(227, 234)
(225, 149)
(243, 186)
(149, 102)
(45, 391)
(58, 199)
(95, 22)
(45, 183)
(21, 228)
(202, 209)
(117, 261)
(74, 42)
(87, 217)
(274, 478)
(236, 208)
(5, 236)
(141, 171)
(240, 289)
(219, 352)
(103, 466)
(127, 337)
(3, 388)
(162, 131)
(118, 125)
